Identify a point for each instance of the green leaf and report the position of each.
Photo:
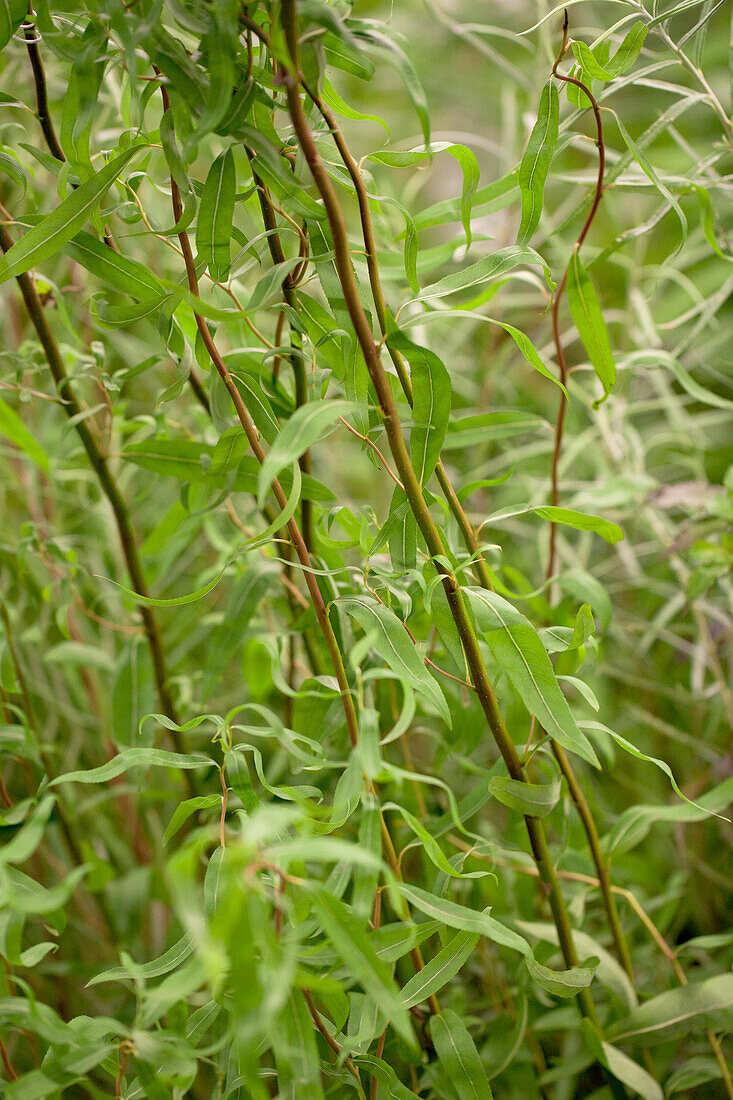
(164, 964)
(530, 799)
(386, 1076)
(439, 971)
(395, 647)
(630, 1073)
(459, 1057)
(635, 822)
(26, 840)
(353, 945)
(459, 916)
(216, 212)
(184, 810)
(649, 170)
(466, 158)
(609, 531)
(113, 268)
(296, 1053)
(54, 231)
(15, 430)
(174, 601)
(561, 983)
(483, 271)
(694, 1007)
(134, 758)
(632, 749)
(622, 60)
(586, 313)
(536, 161)
(609, 971)
(308, 425)
(518, 648)
(12, 14)
(133, 692)
(431, 391)
(337, 104)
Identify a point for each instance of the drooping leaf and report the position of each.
(440, 970)
(431, 391)
(395, 647)
(536, 161)
(518, 648)
(697, 1006)
(132, 758)
(216, 211)
(561, 983)
(483, 271)
(13, 428)
(460, 916)
(12, 14)
(308, 424)
(609, 531)
(531, 799)
(53, 232)
(586, 311)
(351, 942)
(459, 1057)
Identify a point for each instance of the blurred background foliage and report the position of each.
(655, 458)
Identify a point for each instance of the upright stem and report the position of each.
(375, 283)
(72, 845)
(291, 298)
(559, 350)
(413, 490)
(109, 487)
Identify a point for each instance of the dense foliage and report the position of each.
(365, 572)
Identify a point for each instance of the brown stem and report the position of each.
(375, 283)
(335, 1047)
(291, 298)
(559, 350)
(109, 487)
(39, 78)
(413, 490)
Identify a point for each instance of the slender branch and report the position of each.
(109, 487)
(413, 489)
(296, 538)
(39, 78)
(291, 298)
(375, 283)
(559, 350)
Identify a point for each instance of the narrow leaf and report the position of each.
(609, 531)
(561, 983)
(216, 211)
(530, 799)
(15, 430)
(518, 648)
(308, 425)
(460, 916)
(439, 971)
(697, 1006)
(57, 228)
(459, 1057)
(395, 647)
(536, 161)
(431, 390)
(132, 758)
(586, 312)
(352, 944)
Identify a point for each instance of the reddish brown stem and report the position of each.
(559, 350)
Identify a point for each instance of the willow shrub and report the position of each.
(366, 564)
